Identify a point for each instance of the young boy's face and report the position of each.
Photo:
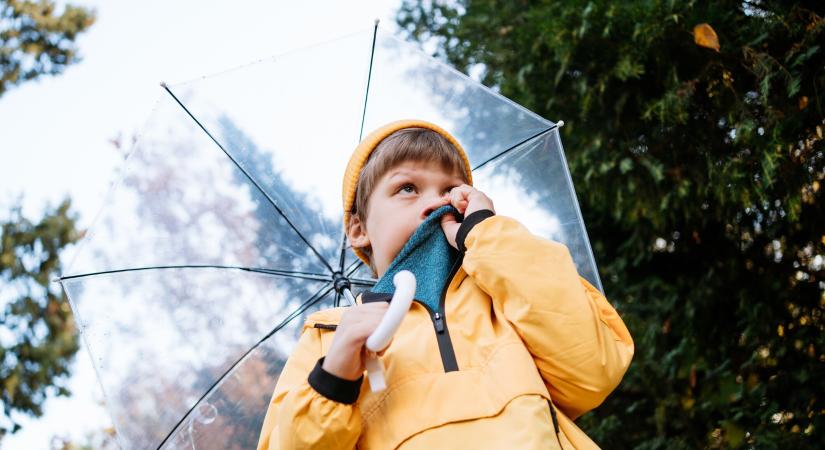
(401, 200)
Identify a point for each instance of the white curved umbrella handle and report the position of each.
(404, 282)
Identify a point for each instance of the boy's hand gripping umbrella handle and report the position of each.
(404, 282)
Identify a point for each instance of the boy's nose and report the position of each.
(433, 205)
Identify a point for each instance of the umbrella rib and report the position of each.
(289, 273)
(354, 265)
(315, 297)
(362, 280)
(248, 176)
(369, 78)
(499, 155)
(319, 294)
(295, 274)
(357, 280)
(364, 285)
(361, 132)
(343, 251)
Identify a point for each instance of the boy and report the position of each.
(514, 347)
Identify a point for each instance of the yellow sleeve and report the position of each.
(298, 416)
(579, 343)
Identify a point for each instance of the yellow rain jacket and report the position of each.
(523, 346)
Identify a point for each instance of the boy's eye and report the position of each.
(408, 188)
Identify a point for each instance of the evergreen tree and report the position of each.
(35, 40)
(39, 336)
(695, 138)
(37, 332)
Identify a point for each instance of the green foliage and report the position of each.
(700, 176)
(37, 329)
(37, 332)
(35, 40)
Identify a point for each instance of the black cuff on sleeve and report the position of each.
(332, 387)
(468, 224)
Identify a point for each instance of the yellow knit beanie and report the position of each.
(364, 150)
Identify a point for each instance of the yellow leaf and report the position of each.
(704, 36)
(727, 78)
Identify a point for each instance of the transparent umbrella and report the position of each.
(225, 229)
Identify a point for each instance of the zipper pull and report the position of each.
(439, 323)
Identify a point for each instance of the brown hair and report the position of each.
(408, 144)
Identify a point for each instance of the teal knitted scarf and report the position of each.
(428, 256)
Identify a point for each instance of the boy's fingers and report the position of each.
(448, 218)
(448, 221)
(467, 199)
(478, 201)
(450, 226)
(459, 196)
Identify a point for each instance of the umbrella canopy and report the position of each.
(225, 230)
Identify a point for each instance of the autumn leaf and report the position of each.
(705, 36)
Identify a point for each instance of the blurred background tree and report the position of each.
(38, 332)
(695, 138)
(35, 40)
(38, 338)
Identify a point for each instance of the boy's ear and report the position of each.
(357, 232)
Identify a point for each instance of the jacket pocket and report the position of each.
(324, 323)
(326, 330)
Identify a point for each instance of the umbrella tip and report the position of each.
(560, 123)
(163, 84)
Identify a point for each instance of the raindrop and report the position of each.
(205, 413)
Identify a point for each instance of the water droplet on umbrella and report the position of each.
(205, 413)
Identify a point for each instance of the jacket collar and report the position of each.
(370, 296)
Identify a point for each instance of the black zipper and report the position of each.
(442, 333)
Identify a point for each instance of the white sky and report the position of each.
(54, 132)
